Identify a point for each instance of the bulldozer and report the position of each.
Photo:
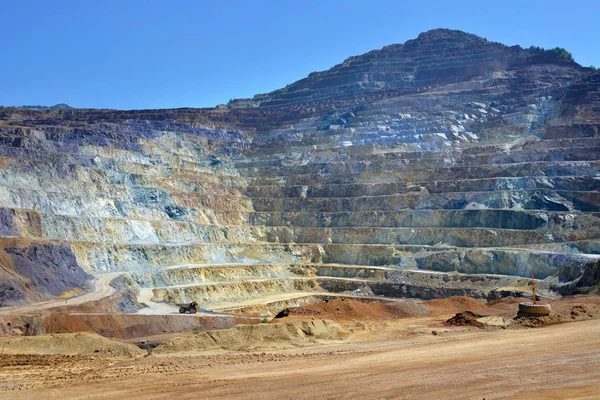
(192, 307)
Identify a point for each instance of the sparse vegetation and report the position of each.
(60, 106)
(33, 106)
(493, 41)
(557, 51)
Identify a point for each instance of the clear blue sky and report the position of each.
(130, 54)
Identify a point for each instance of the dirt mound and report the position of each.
(465, 318)
(251, 337)
(506, 307)
(506, 300)
(81, 343)
(451, 305)
(534, 322)
(350, 310)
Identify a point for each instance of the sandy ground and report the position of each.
(145, 296)
(386, 360)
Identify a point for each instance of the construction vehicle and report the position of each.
(192, 307)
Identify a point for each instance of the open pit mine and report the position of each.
(445, 166)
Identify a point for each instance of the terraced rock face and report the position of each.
(446, 165)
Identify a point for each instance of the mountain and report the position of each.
(447, 165)
(436, 57)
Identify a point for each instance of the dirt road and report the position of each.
(101, 290)
(555, 362)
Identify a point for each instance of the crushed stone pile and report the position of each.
(81, 343)
(252, 337)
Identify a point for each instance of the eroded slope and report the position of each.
(445, 166)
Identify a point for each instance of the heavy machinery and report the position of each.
(192, 307)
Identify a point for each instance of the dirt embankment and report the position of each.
(465, 363)
(122, 326)
(502, 313)
(468, 312)
(354, 310)
(370, 310)
(562, 314)
(253, 337)
(451, 305)
(82, 343)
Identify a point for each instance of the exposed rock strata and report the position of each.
(392, 171)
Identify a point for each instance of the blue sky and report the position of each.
(133, 54)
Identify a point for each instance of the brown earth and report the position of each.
(122, 326)
(251, 337)
(465, 318)
(355, 310)
(369, 358)
(371, 310)
(71, 344)
(452, 305)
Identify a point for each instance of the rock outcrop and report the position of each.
(447, 165)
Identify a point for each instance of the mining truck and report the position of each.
(192, 307)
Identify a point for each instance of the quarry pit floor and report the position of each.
(408, 358)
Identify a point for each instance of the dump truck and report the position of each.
(192, 307)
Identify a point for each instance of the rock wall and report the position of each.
(447, 154)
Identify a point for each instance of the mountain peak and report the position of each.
(435, 57)
(444, 33)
